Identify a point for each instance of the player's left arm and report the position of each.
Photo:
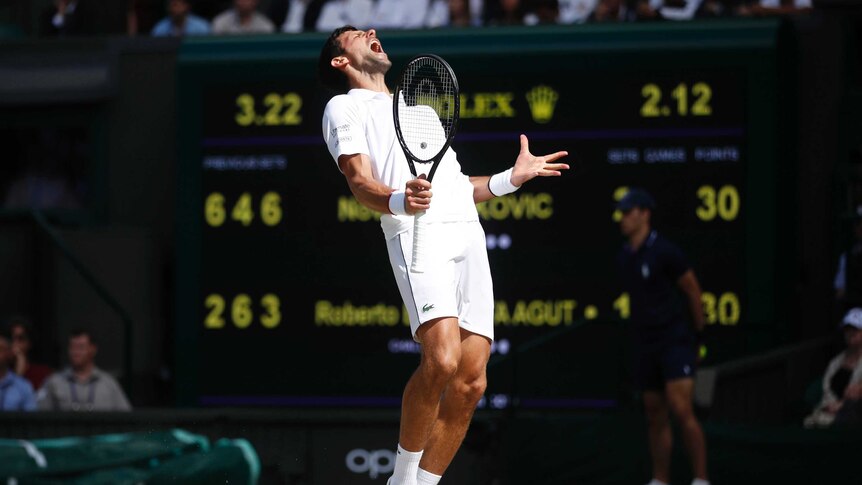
(689, 285)
(527, 167)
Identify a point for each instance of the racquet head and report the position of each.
(426, 108)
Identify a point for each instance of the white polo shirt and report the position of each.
(361, 122)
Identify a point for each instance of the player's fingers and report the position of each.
(555, 156)
(419, 203)
(419, 184)
(525, 144)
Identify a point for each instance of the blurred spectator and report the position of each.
(848, 276)
(142, 15)
(505, 12)
(242, 18)
(542, 12)
(16, 393)
(477, 12)
(842, 381)
(64, 18)
(336, 13)
(668, 9)
(576, 11)
(613, 11)
(646, 10)
(82, 386)
(181, 21)
(762, 8)
(400, 14)
(677, 9)
(459, 13)
(69, 17)
(21, 333)
(715, 8)
(290, 14)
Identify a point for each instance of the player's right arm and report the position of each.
(344, 131)
(373, 194)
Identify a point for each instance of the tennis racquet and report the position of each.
(426, 106)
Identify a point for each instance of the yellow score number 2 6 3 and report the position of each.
(241, 311)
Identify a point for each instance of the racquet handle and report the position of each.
(420, 228)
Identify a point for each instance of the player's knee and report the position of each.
(441, 365)
(470, 390)
(475, 389)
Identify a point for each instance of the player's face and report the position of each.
(365, 52)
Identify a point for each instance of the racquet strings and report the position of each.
(426, 108)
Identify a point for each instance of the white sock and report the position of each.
(427, 478)
(406, 467)
(699, 481)
(655, 481)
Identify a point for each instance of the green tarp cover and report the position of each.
(172, 456)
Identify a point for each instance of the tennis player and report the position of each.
(451, 306)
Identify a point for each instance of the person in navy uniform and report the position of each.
(661, 284)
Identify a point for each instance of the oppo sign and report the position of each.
(372, 462)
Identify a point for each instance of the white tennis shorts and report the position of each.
(457, 280)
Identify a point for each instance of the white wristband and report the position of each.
(396, 203)
(501, 183)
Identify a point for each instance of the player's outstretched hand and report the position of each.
(529, 166)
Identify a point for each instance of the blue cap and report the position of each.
(636, 197)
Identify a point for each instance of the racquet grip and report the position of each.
(420, 228)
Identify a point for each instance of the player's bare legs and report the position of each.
(660, 434)
(679, 398)
(441, 352)
(459, 402)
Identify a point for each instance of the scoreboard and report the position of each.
(285, 294)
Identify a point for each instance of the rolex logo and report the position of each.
(542, 100)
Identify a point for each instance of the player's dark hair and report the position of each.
(330, 77)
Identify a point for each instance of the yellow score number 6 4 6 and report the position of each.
(215, 211)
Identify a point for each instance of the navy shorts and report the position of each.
(663, 354)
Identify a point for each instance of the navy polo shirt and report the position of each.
(649, 275)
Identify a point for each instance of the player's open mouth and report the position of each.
(376, 47)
